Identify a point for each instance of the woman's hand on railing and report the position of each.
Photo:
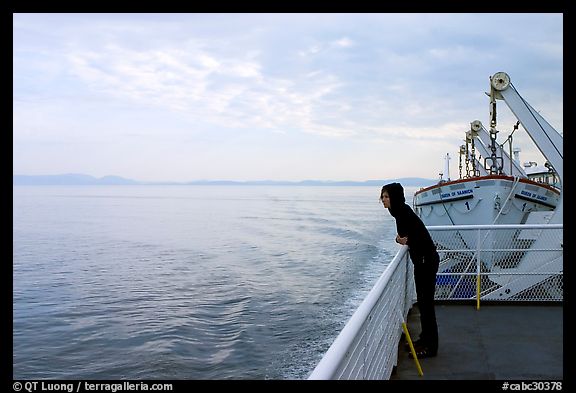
(402, 240)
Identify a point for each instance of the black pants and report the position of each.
(425, 279)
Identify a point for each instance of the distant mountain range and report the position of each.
(69, 179)
(87, 180)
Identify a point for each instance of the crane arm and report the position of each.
(547, 139)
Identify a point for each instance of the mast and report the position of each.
(447, 166)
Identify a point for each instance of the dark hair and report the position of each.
(395, 192)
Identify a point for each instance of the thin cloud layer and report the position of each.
(219, 86)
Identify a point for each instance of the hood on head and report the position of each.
(396, 193)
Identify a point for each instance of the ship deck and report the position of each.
(519, 341)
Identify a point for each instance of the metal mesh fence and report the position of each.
(499, 262)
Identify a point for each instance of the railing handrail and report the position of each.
(332, 358)
(494, 226)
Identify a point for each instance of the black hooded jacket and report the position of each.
(408, 224)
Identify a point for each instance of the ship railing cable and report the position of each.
(512, 189)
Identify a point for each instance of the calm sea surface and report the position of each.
(189, 282)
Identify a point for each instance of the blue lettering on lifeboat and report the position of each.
(455, 194)
(533, 195)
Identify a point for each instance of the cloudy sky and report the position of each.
(178, 97)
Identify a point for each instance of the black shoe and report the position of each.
(423, 352)
(417, 344)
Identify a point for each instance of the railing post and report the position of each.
(478, 271)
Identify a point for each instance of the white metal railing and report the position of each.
(500, 262)
(488, 262)
(367, 346)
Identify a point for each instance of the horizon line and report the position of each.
(83, 179)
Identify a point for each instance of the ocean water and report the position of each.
(189, 282)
